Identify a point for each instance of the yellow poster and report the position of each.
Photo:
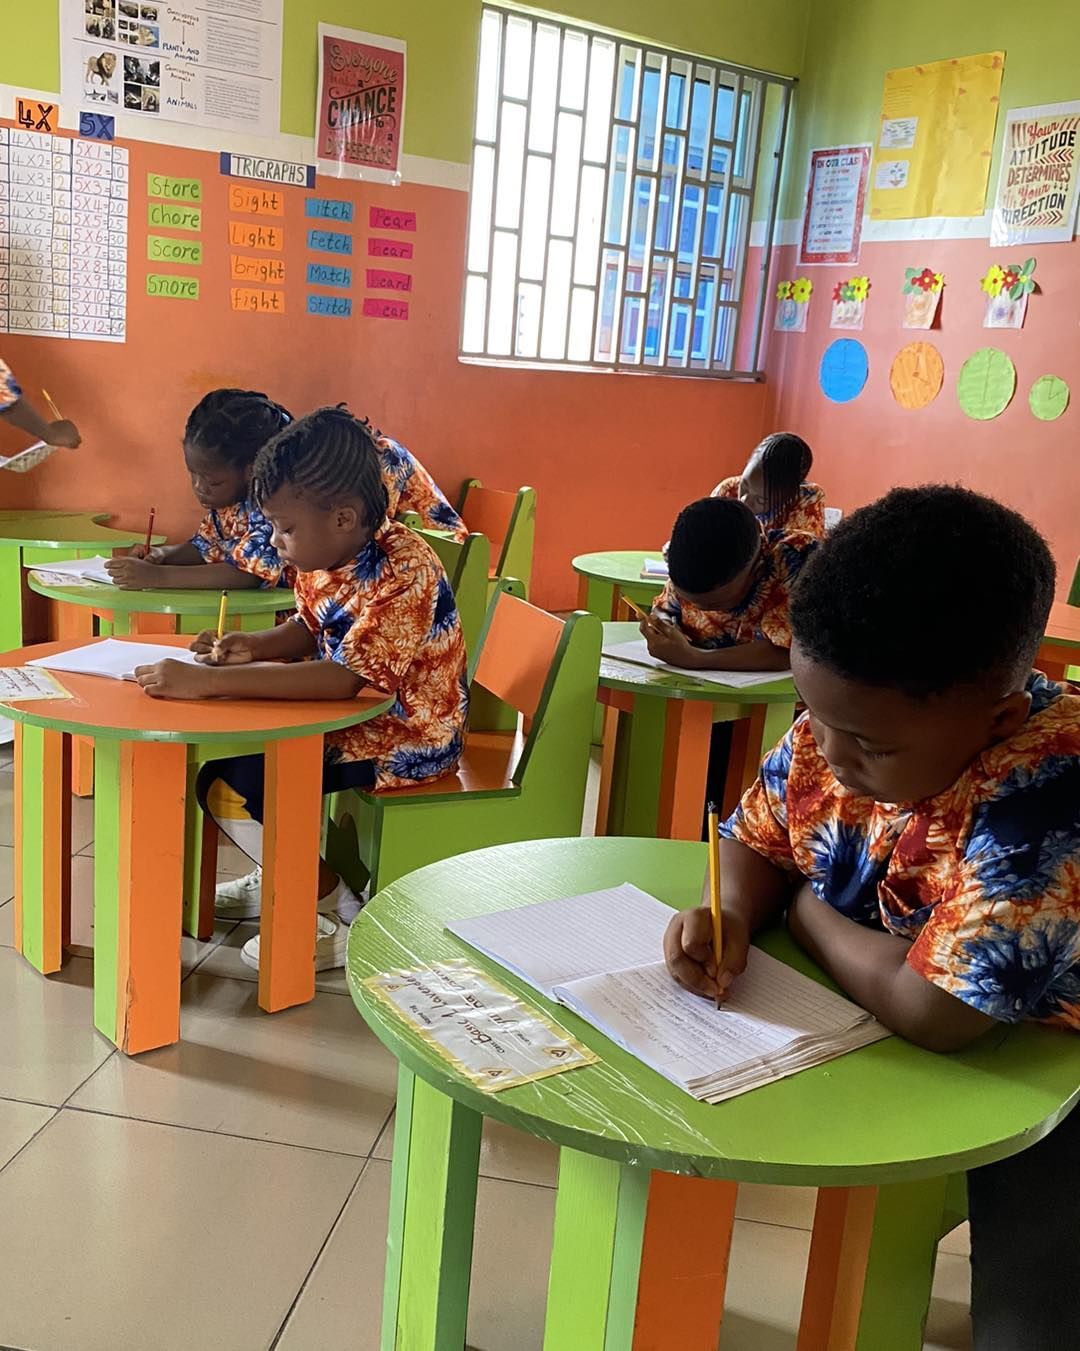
(932, 156)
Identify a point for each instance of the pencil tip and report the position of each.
(712, 808)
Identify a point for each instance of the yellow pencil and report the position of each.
(221, 615)
(641, 614)
(714, 890)
(52, 405)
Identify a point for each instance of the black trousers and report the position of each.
(244, 775)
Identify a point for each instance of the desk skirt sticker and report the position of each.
(360, 105)
(487, 1034)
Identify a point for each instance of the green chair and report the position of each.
(1074, 590)
(509, 521)
(522, 784)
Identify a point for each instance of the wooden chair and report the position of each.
(523, 784)
(509, 521)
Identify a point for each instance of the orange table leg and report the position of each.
(744, 758)
(75, 624)
(151, 623)
(292, 830)
(836, 1271)
(684, 1263)
(687, 733)
(42, 906)
(582, 592)
(607, 765)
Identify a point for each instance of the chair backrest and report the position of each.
(518, 648)
(467, 566)
(833, 517)
(1074, 590)
(509, 521)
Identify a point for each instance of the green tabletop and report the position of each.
(633, 679)
(620, 567)
(100, 596)
(65, 530)
(886, 1113)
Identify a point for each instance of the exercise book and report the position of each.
(79, 569)
(637, 651)
(113, 658)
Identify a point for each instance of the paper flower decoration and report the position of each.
(926, 280)
(1025, 280)
(838, 291)
(783, 291)
(991, 283)
(800, 291)
(1014, 279)
(855, 288)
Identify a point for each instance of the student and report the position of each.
(410, 488)
(725, 605)
(773, 485)
(231, 548)
(920, 826)
(17, 409)
(374, 607)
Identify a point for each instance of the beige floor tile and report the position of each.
(505, 1153)
(7, 811)
(225, 960)
(312, 1076)
(7, 872)
(7, 925)
(158, 1236)
(48, 1044)
(19, 1123)
(948, 1322)
(342, 1303)
(958, 1243)
(789, 1206)
(82, 823)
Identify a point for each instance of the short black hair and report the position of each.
(712, 541)
(328, 455)
(234, 424)
(786, 460)
(926, 590)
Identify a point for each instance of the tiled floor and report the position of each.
(230, 1193)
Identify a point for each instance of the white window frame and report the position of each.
(685, 312)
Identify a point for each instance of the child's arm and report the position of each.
(871, 966)
(143, 574)
(667, 642)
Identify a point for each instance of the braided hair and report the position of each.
(786, 460)
(330, 456)
(234, 425)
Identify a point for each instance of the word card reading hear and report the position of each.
(389, 248)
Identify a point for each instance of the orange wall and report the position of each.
(612, 457)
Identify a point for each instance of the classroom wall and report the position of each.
(613, 457)
(864, 447)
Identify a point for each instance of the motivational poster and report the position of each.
(1038, 178)
(835, 199)
(360, 105)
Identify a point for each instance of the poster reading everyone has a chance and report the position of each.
(211, 63)
(360, 107)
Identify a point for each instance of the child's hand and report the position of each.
(688, 952)
(151, 555)
(234, 649)
(171, 679)
(63, 433)
(130, 574)
(667, 642)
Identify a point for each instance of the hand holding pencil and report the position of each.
(60, 432)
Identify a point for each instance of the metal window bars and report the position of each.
(613, 190)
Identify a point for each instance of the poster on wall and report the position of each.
(835, 199)
(360, 105)
(932, 156)
(216, 63)
(1039, 176)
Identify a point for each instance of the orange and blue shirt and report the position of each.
(806, 512)
(389, 615)
(10, 393)
(765, 610)
(240, 536)
(410, 488)
(984, 879)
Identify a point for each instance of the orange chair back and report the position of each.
(489, 512)
(517, 653)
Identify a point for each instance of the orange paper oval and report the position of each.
(916, 374)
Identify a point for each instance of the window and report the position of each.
(614, 190)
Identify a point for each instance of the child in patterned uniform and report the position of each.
(17, 409)
(231, 548)
(410, 488)
(920, 826)
(773, 485)
(374, 607)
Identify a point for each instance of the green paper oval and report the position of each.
(986, 383)
(1049, 397)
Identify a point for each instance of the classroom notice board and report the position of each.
(935, 138)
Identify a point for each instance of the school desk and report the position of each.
(41, 537)
(605, 577)
(656, 735)
(1061, 644)
(648, 1176)
(148, 832)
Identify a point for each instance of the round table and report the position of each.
(36, 537)
(648, 1176)
(148, 835)
(1060, 647)
(605, 577)
(656, 739)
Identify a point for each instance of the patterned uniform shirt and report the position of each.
(240, 536)
(10, 393)
(984, 879)
(410, 487)
(806, 513)
(389, 615)
(765, 610)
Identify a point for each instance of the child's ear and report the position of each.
(346, 518)
(1010, 714)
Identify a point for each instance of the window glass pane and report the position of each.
(738, 220)
(677, 101)
(598, 111)
(650, 113)
(567, 167)
(487, 91)
(619, 186)
(724, 113)
(534, 223)
(670, 166)
(690, 221)
(480, 208)
(630, 339)
(544, 85)
(528, 325)
(641, 221)
(472, 335)
(700, 108)
(629, 62)
(742, 147)
(609, 292)
(517, 57)
(511, 154)
(574, 61)
(654, 319)
(557, 300)
(581, 324)
(590, 210)
(710, 235)
(501, 304)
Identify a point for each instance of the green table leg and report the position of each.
(106, 871)
(596, 1254)
(432, 1209)
(42, 909)
(11, 627)
(635, 777)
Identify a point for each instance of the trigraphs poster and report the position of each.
(210, 63)
(360, 105)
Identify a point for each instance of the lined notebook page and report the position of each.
(557, 942)
(88, 569)
(112, 657)
(637, 651)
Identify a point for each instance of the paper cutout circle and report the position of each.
(843, 371)
(916, 374)
(986, 384)
(1049, 397)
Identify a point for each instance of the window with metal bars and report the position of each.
(621, 201)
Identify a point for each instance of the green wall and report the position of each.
(443, 39)
(850, 45)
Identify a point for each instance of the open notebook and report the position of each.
(111, 657)
(26, 459)
(637, 651)
(597, 955)
(77, 570)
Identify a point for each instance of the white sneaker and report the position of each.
(241, 898)
(331, 940)
(342, 904)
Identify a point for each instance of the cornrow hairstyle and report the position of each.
(786, 460)
(711, 542)
(870, 606)
(234, 424)
(330, 456)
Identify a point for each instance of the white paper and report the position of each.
(637, 651)
(19, 683)
(564, 940)
(654, 567)
(81, 569)
(112, 657)
(215, 63)
(892, 173)
(898, 133)
(26, 459)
